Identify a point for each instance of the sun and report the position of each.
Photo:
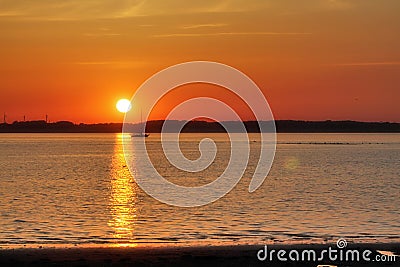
(123, 105)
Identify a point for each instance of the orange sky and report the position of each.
(314, 59)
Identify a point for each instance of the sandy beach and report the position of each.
(245, 255)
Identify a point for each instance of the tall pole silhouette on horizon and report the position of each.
(4, 118)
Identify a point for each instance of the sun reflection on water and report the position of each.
(123, 198)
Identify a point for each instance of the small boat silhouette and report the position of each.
(141, 134)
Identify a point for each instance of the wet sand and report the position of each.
(179, 256)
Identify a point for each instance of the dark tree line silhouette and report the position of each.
(282, 126)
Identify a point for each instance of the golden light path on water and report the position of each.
(73, 190)
(123, 199)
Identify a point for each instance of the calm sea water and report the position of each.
(76, 189)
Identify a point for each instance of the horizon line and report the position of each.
(296, 120)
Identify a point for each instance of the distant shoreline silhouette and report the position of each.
(282, 126)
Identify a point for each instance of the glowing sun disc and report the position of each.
(123, 105)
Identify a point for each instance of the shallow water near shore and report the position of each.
(75, 189)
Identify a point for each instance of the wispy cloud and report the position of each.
(47, 10)
(208, 25)
(366, 64)
(103, 34)
(112, 64)
(228, 34)
(11, 13)
(99, 62)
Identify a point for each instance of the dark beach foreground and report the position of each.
(245, 255)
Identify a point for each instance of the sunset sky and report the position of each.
(313, 59)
